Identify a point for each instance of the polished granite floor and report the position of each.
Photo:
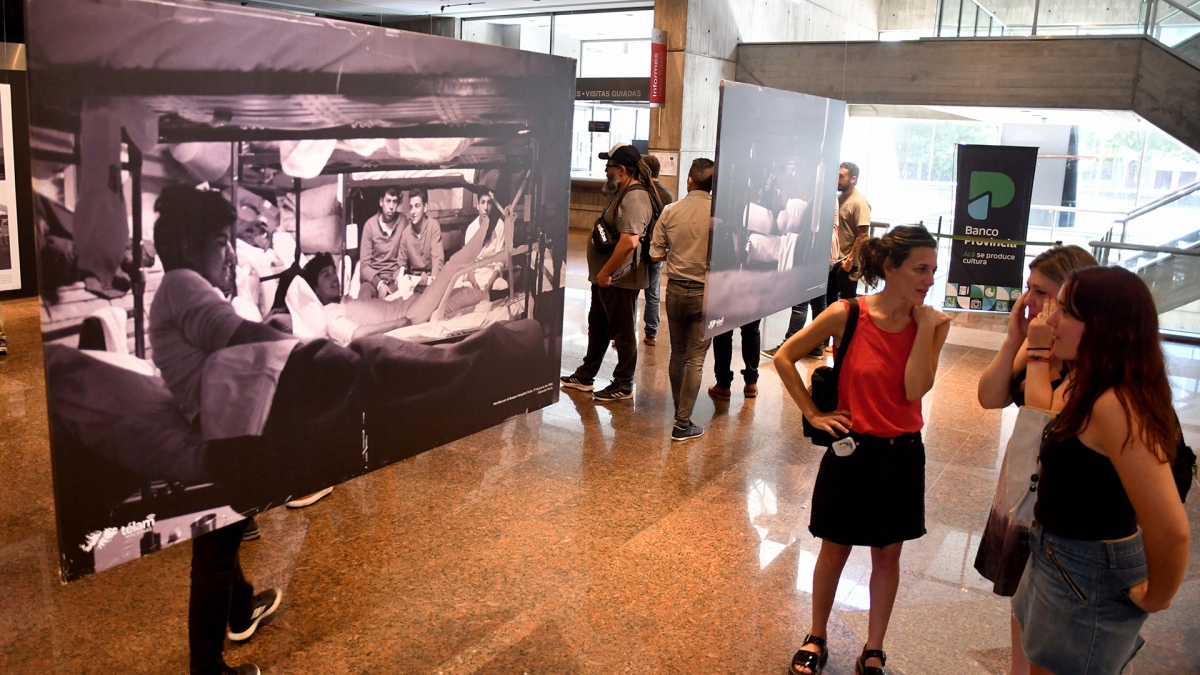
(577, 539)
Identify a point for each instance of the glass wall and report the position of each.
(909, 166)
(603, 44)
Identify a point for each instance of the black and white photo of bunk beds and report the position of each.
(298, 123)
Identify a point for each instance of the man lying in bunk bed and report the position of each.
(344, 319)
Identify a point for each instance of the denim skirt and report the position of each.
(1073, 603)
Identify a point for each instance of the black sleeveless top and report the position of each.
(1018, 394)
(1079, 494)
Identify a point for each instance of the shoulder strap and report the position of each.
(847, 335)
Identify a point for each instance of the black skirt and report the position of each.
(873, 497)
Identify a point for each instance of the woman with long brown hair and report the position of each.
(1110, 542)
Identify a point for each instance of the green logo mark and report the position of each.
(989, 189)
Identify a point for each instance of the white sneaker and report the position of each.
(309, 499)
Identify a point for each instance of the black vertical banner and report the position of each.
(995, 187)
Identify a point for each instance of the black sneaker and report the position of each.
(687, 433)
(244, 669)
(817, 352)
(613, 392)
(572, 382)
(252, 531)
(770, 353)
(263, 605)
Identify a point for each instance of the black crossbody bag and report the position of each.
(824, 384)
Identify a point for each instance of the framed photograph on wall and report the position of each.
(10, 261)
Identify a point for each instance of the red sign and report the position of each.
(658, 68)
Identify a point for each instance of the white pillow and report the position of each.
(308, 318)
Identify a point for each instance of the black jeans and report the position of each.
(611, 319)
(723, 355)
(219, 592)
(840, 286)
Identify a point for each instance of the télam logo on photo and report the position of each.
(989, 190)
(98, 539)
(713, 323)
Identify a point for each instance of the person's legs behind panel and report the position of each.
(722, 346)
(219, 593)
(751, 341)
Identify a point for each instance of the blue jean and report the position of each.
(685, 320)
(651, 312)
(1073, 603)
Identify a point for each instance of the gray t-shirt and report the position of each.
(632, 218)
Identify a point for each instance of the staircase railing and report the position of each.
(1102, 253)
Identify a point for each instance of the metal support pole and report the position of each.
(296, 186)
(137, 279)
(233, 198)
(1037, 9)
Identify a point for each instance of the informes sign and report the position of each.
(995, 188)
(10, 261)
(164, 428)
(658, 68)
(774, 195)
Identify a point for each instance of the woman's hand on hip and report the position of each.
(836, 422)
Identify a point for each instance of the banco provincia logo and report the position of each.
(988, 190)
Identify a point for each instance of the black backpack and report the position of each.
(824, 382)
(604, 236)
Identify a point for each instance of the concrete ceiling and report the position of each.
(385, 10)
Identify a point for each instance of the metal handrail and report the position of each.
(1170, 197)
(941, 12)
(1176, 195)
(1146, 249)
(1179, 9)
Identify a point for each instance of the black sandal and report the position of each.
(860, 667)
(814, 661)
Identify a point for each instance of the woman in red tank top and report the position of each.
(870, 488)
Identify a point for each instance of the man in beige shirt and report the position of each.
(681, 239)
(852, 223)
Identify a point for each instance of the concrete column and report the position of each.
(702, 42)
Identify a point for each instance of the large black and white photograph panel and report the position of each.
(10, 261)
(774, 200)
(278, 252)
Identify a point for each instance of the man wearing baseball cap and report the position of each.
(619, 276)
